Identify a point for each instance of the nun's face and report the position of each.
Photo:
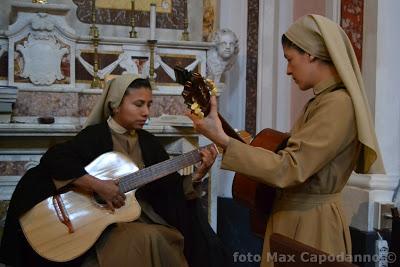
(301, 67)
(134, 109)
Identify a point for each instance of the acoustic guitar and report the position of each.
(64, 226)
(258, 197)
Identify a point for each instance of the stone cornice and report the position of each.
(374, 181)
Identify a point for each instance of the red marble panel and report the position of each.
(4, 66)
(172, 105)
(352, 13)
(251, 72)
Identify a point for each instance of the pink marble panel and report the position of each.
(46, 104)
(86, 103)
(10, 168)
(4, 66)
(173, 105)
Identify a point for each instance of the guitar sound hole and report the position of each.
(99, 200)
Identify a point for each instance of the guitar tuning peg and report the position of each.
(198, 112)
(212, 86)
(214, 91)
(194, 106)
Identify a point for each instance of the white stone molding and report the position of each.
(31, 164)
(360, 194)
(7, 186)
(25, 11)
(374, 181)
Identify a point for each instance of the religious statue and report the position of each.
(223, 55)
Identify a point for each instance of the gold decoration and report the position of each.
(39, 1)
(212, 86)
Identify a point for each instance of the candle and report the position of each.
(152, 21)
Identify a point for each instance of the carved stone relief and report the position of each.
(42, 53)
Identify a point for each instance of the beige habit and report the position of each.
(333, 137)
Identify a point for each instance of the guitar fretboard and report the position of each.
(159, 170)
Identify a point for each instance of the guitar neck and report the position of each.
(159, 170)
(229, 130)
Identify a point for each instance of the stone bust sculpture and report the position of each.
(223, 55)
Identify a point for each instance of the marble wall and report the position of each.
(39, 104)
(168, 20)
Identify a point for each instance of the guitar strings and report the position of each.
(144, 176)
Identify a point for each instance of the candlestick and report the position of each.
(185, 33)
(152, 45)
(152, 21)
(94, 32)
(133, 33)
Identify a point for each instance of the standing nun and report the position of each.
(333, 136)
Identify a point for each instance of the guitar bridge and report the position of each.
(62, 213)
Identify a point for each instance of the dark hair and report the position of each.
(138, 84)
(287, 43)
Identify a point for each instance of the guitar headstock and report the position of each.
(196, 91)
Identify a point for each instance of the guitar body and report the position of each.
(51, 239)
(255, 195)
